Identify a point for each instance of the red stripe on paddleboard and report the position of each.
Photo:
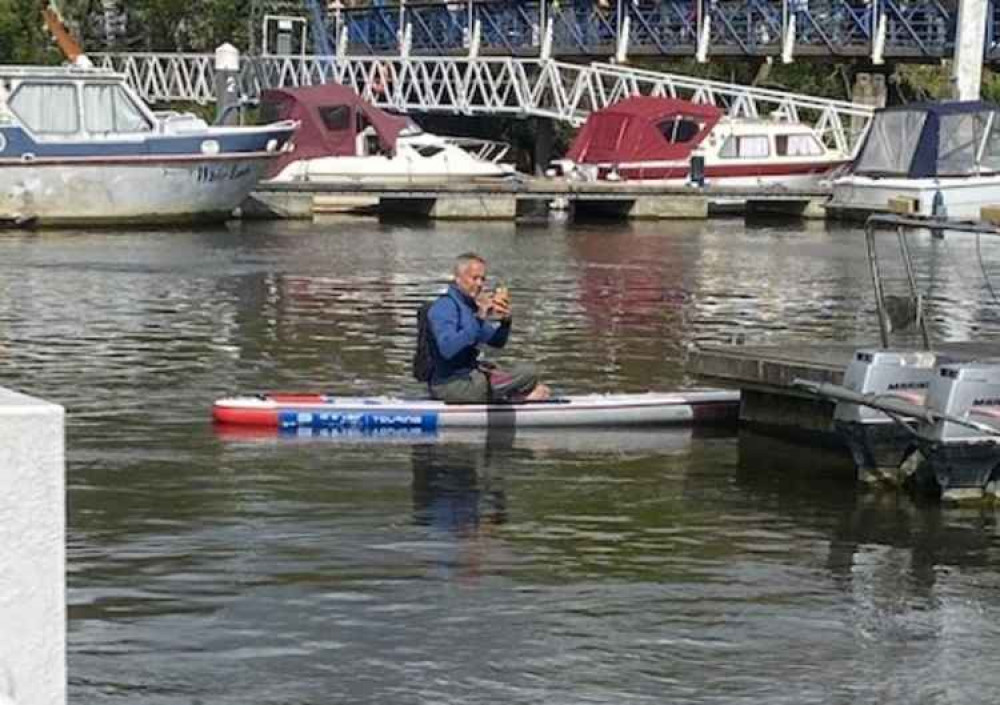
(248, 417)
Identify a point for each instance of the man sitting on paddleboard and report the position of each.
(459, 322)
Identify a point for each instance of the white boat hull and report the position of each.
(388, 170)
(134, 191)
(961, 198)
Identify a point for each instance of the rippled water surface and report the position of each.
(568, 567)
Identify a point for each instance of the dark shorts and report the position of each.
(481, 387)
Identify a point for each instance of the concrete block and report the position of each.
(33, 559)
(502, 207)
(276, 205)
(452, 207)
(809, 209)
(666, 207)
(343, 203)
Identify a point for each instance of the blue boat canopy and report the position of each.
(925, 140)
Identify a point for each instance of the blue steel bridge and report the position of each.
(893, 30)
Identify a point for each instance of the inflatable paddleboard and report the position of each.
(294, 411)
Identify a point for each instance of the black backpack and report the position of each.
(423, 356)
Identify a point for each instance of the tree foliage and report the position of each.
(23, 38)
(123, 25)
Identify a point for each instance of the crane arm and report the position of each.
(67, 44)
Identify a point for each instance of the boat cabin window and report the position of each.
(891, 143)
(336, 118)
(990, 160)
(745, 147)
(797, 146)
(109, 109)
(679, 130)
(368, 143)
(959, 139)
(429, 150)
(47, 108)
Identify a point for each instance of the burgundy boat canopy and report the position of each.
(641, 129)
(331, 117)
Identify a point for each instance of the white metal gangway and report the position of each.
(483, 86)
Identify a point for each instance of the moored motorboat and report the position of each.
(343, 138)
(78, 146)
(927, 159)
(294, 411)
(652, 140)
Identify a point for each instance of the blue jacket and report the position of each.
(458, 332)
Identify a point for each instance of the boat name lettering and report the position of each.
(907, 385)
(986, 402)
(210, 173)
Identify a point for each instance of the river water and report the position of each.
(645, 567)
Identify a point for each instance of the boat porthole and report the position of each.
(272, 144)
(210, 147)
(28, 157)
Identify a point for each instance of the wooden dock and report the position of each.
(513, 198)
(764, 375)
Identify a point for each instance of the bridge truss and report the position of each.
(482, 86)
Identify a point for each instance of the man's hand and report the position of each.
(484, 303)
(501, 305)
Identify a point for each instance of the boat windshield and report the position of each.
(47, 109)
(892, 143)
(411, 129)
(962, 139)
(946, 140)
(108, 110)
(679, 130)
(52, 110)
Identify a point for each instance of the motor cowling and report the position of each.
(900, 373)
(970, 390)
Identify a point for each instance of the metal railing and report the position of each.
(905, 29)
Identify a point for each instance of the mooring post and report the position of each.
(227, 85)
(33, 559)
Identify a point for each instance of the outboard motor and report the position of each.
(879, 444)
(964, 458)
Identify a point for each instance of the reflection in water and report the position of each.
(900, 563)
(456, 487)
(458, 493)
